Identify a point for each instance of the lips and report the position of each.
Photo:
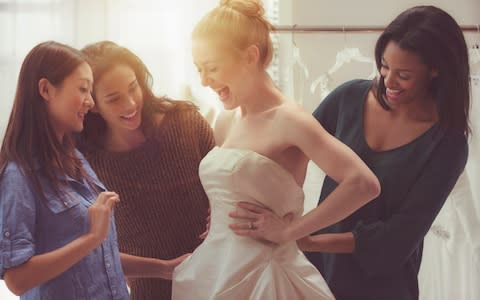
(130, 116)
(81, 115)
(393, 94)
(223, 93)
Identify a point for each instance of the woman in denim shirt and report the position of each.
(58, 237)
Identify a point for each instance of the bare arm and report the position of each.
(41, 268)
(357, 185)
(328, 243)
(145, 267)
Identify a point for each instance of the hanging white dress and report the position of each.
(450, 266)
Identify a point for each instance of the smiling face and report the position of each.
(69, 102)
(222, 68)
(406, 77)
(119, 99)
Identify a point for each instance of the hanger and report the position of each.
(344, 56)
(298, 62)
(474, 51)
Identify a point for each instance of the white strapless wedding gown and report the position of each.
(227, 266)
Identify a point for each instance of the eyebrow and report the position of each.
(383, 61)
(202, 63)
(86, 79)
(115, 93)
(133, 81)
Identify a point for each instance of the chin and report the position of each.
(78, 129)
(229, 105)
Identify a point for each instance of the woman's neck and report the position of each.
(123, 141)
(263, 95)
(418, 111)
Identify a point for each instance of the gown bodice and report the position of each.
(228, 266)
(231, 175)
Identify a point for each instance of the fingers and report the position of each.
(244, 226)
(247, 211)
(103, 196)
(183, 257)
(254, 208)
(243, 214)
(109, 199)
(168, 266)
(203, 235)
(246, 232)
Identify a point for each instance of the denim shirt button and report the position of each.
(114, 292)
(6, 234)
(108, 265)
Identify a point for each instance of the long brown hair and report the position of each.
(30, 141)
(102, 57)
(436, 38)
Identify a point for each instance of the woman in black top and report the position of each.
(410, 126)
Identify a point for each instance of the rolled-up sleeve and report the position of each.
(17, 213)
(385, 245)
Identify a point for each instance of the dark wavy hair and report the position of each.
(437, 39)
(102, 57)
(30, 140)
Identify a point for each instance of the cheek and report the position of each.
(138, 97)
(227, 74)
(105, 111)
(419, 85)
(383, 72)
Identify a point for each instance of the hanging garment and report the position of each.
(450, 266)
(345, 56)
(300, 75)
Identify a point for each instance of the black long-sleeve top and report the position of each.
(416, 179)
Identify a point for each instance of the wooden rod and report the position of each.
(349, 28)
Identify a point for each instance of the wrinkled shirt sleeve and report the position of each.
(17, 213)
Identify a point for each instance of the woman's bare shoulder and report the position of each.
(223, 124)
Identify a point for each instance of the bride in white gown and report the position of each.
(266, 142)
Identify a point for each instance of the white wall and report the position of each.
(318, 50)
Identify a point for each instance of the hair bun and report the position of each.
(249, 8)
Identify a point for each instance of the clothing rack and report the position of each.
(349, 28)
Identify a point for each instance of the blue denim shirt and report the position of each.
(29, 226)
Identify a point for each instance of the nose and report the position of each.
(131, 101)
(89, 102)
(389, 79)
(205, 79)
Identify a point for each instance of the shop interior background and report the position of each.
(307, 66)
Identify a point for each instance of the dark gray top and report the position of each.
(416, 179)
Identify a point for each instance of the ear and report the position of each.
(45, 89)
(253, 54)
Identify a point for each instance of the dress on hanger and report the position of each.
(345, 56)
(450, 266)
